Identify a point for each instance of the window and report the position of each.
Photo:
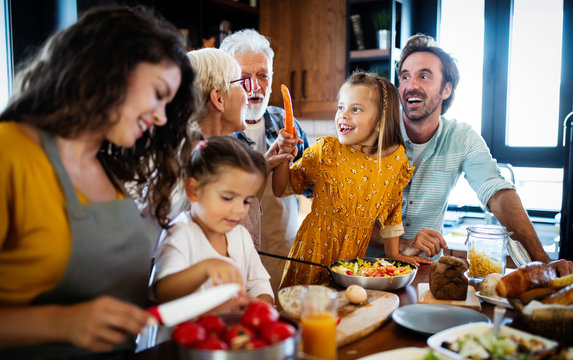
(512, 58)
(523, 106)
(5, 54)
(534, 100)
(467, 49)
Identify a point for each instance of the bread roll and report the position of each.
(487, 286)
(530, 276)
(561, 282)
(563, 297)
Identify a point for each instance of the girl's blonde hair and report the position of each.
(385, 96)
(212, 155)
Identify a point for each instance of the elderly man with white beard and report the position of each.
(279, 221)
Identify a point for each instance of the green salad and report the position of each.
(489, 346)
(431, 356)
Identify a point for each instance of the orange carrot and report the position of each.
(288, 110)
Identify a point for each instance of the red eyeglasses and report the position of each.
(245, 82)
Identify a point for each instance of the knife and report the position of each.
(190, 306)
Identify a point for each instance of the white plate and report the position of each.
(495, 301)
(450, 335)
(433, 318)
(407, 353)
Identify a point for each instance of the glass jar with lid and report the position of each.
(486, 250)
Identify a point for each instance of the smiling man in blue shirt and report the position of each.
(441, 149)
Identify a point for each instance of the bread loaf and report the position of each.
(535, 294)
(530, 276)
(447, 278)
(563, 297)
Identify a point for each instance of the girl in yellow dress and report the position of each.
(358, 178)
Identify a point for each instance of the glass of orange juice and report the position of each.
(318, 322)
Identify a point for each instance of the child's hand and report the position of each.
(266, 298)
(222, 272)
(428, 241)
(416, 260)
(287, 142)
(236, 304)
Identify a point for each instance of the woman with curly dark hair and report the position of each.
(105, 102)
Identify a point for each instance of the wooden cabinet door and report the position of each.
(309, 40)
(277, 23)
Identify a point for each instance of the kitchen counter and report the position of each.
(456, 223)
(389, 336)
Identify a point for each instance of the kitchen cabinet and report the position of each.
(202, 19)
(197, 19)
(309, 39)
(372, 58)
(316, 48)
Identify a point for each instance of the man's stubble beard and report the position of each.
(428, 110)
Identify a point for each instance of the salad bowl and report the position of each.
(470, 337)
(383, 283)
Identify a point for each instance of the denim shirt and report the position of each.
(454, 148)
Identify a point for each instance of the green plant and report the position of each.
(382, 20)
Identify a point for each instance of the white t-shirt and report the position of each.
(185, 244)
(418, 154)
(256, 132)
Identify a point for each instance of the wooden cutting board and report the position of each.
(425, 296)
(357, 321)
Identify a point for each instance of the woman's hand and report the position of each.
(99, 324)
(96, 325)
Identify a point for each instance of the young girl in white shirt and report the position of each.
(206, 246)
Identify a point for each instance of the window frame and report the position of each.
(6, 23)
(495, 88)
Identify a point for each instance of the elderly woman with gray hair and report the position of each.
(224, 92)
(224, 98)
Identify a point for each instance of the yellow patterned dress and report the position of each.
(351, 191)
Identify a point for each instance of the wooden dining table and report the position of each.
(388, 336)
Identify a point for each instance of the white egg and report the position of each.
(356, 294)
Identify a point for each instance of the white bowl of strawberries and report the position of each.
(258, 332)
